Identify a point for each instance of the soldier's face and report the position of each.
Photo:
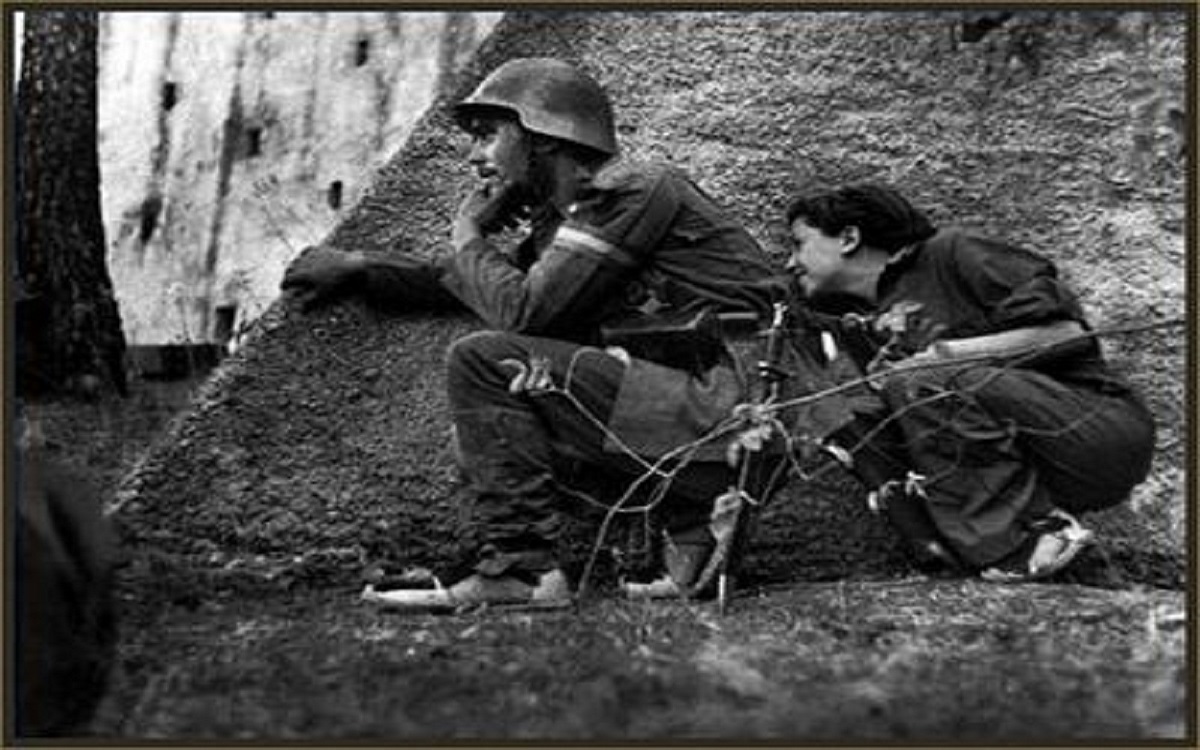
(818, 260)
(500, 152)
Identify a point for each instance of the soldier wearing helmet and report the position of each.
(608, 248)
(550, 98)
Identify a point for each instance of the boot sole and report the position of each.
(1076, 544)
(435, 601)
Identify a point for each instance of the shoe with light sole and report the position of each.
(903, 503)
(549, 590)
(685, 556)
(1058, 539)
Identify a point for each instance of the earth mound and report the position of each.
(322, 446)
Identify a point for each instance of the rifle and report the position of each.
(732, 520)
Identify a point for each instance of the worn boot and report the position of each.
(511, 590)
(685, 554)
(902, 502)
(506, 458)
(1054, 541)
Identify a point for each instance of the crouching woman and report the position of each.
(997, 417)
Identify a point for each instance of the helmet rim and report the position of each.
(549, 97)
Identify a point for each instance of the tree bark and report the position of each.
(69, 337)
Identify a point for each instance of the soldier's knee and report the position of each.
(479, 347)
(474, 360)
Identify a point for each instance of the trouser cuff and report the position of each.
(496, 562)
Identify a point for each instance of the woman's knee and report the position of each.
(961, 383)
(901, 387)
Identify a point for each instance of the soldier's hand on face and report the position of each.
(320, 274)
(486, 210)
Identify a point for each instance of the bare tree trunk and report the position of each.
(69, 338)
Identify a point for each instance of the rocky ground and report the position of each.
(896, 660)
(251, 652)
(321, 448)
(329, 430)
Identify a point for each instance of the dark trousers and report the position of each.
(1000, 446)
(517, 449)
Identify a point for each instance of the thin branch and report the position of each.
(685, 453)
(1013, 359)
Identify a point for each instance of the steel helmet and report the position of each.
(549, 97)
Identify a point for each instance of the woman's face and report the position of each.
(818, 261)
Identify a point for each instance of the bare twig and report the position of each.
(1013, 359)
(685, 453)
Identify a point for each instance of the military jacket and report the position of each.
(968, 286)
(639, 242)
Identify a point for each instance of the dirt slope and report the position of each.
(323, 445)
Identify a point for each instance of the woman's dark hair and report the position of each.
(883, 216)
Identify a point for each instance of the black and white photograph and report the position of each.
(741, 375)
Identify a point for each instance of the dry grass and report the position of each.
(861, 661)
(102, 440)
(250, 651)
(239, 600)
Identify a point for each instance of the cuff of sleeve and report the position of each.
(477, 247)
(451, 264)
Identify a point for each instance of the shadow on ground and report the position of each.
(322, 447)
(886, 660)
